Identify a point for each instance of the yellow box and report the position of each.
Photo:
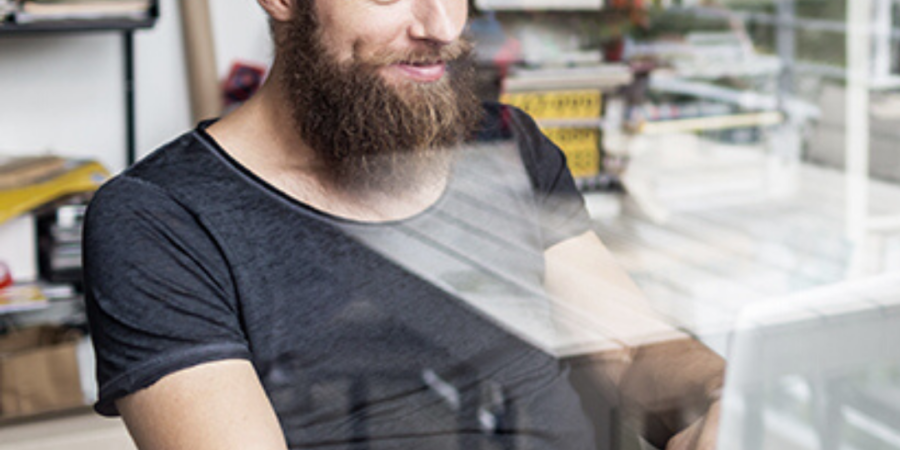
(581, 147)
(583, 104)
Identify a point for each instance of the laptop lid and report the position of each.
(816, 370)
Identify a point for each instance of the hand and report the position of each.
(701, 435)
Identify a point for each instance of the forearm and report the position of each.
(664, 379)
(669, 385)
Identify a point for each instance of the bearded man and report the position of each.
(363, 256)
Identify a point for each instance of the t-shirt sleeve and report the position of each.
(561, 207)
(158, 290)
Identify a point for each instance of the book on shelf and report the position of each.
(571, 119)
(601, 76)
(516, 5)
(581, 147)
(22, 171)
(658, 111)
(58, 10)
(719, 122)
(22, 297)
(562, 104)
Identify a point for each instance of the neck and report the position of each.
(260, 134)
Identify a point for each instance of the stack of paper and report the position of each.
(16, 172)
(24, 297)
(27, 183)
(516, 5)
(58, 10)
(597, 76)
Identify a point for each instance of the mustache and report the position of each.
(431, 54)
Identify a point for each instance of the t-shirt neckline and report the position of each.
(261, 184)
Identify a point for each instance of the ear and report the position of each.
(279, 10)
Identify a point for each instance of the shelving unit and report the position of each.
(69, 26)
(750, 109)
(869, 34)
(560, 65)
(66, 307)
(882, 31)
(125, 27)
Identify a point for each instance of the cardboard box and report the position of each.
(39, 371)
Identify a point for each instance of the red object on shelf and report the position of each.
(624, 4)
(5, 276)
(242, 82)
(614, 51)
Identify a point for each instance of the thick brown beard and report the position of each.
(367, 135)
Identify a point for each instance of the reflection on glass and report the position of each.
(817, 371)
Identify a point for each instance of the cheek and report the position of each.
(340, 27)
(461, 12)
(358, 40)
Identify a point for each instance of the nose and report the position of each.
(438, 21)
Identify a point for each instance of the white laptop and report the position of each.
(818, 370)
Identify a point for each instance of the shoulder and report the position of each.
(542, 158)
(129, 214)
(163, 188)
(181, 162)
(504, 122)
(124, 195)
(185, 172)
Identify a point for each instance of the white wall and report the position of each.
(241, 33)
(63, 93)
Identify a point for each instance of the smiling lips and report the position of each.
(427, 72)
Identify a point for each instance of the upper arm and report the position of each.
(217, 406)
(560, 210)
(582, 275)
(583, 280)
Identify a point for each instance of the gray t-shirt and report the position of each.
(420, 333)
